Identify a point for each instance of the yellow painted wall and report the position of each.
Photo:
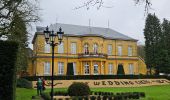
(40, 57)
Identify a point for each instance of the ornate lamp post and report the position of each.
(50, 39)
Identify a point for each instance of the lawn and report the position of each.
(152, 92)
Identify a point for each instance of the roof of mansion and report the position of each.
(80, 31)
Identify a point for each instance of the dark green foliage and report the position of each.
(92, 98)
(8, 53)
(99, 98)
(164, 54)
(60, 93)
(152, 33)
(23, 83)
(157, 44)
(20, 35)
(120, 70)
(78, 89)
(46, 96)
(70, 70)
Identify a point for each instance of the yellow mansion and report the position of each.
(92, 50)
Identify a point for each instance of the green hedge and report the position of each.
(8, 54)
(95, 77)
(24, 83)
(78, 89)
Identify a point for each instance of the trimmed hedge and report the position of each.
(95, 77)
(24, 83)
(78, 89)
(8, 56)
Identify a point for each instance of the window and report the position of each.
(131, 69)
(109, 49)
(95, 69)
(46, 68)
(110, 68)
(73, 48)
(61, 48)
(86, 69)
(119, 50)
(47, 48)
(74, 68)
(86, 48)
(60, 68)
(129, 51)
(95, 48)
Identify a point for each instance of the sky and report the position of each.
(123, 16)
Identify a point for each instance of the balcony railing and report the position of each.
(92, 54)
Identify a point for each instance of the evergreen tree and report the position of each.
(152, 34)
(164, 56)
(18, 33)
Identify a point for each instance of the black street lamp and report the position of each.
(50, 39)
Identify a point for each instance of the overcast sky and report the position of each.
(124, 16)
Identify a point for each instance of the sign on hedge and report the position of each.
(109, 82)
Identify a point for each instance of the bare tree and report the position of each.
(27, 9)
(100, 3)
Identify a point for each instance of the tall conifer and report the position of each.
(152, 34)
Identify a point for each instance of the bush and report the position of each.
(79, 89)
(8, 56)
(120, 70)
(23, 83)
(70, 70)
(46, 96)
(92, 98)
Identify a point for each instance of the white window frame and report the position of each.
(74, 68)
(86, 69)
(86, 48)
(110, 68)
(61, 48)
(130, 51)
(47, 48)
(47, 68)
(95, 48)
(109, 49)
(73, 48)
(119, 50)
(96, 69)
(131, 69)
(60, 68)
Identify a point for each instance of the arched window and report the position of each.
(95, 48)
(86, 48)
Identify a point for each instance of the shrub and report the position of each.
(60, 93)
(92, 98)
(23, 83)
(120, 70)
(142, 94)
(70, 70)
(78, 89)
(99, 98)
(104, 98)
(45, 96)
(8, 56)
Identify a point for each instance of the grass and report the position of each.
(152, 92)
